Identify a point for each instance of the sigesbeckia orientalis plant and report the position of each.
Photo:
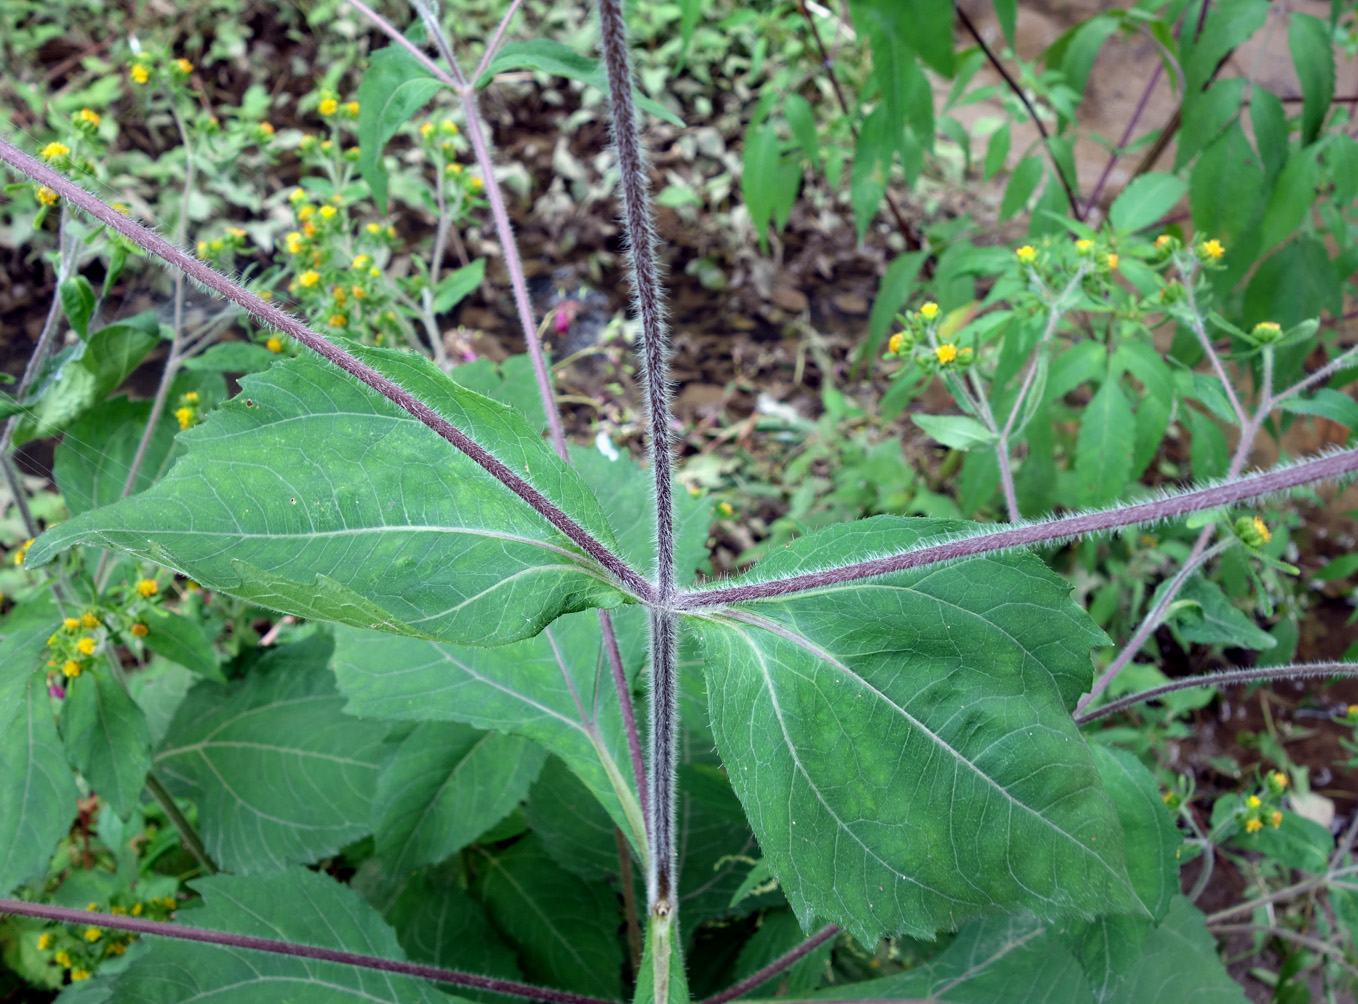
(892, 699)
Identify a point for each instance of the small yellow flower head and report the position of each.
(79, 974)
(117, 947)
(309, 229)
(946, 354)
(426, 129)
(23, 550)
(71, 669)
(308, 278)
(896, 343)
(448, 127)
(725, 510)
(477, 184)
(273, 344)
(148, 587)
(87, 117)
(46, 196)
(1277, 782)
(352, 109)
(359, 292)
(202, 250)
(1253, 825)
(139, 630)
(184, 416)
(297, 195)
(293, 242)
(1084, 246)
(70, 623)
(374, 228)
(265, 129)
(454, 168)
(183, 66)
(375, 272)
(1266, 332)
(328, 107)
(1163, 242)
(89, 620)
(139, 73)
(305, 212)
(1276, 819)
(45, 941)
(92, 934)
(54, 151)
(62, 958)
(118, 911)
(391, 230)
(326, 145)
(169, 902)
(1261, 528)
(1253, 802)
(328, 212)
(91, 907)
(87, 645)
(929, 310)
(1111, 261)
(137, 907)
(338, 320)
(1026, 254)
(340, 294)
(361, 261)
(307, 143)
(1252, 531)
(1211, 250)
(191, 397)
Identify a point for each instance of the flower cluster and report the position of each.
(1253, 532)
(189, 413)
(1261, 809)
(80, 950)
(937, 348)
(71, 649)
(146, 69)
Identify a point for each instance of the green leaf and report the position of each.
(1271, 131)
(662, 979)
(997, 151)
(1312, 48)
(1225, 190)
(23, 649)
(823, 719)
(802, 121)
(1228, 25)
(758, 167)
(576, 830)
(1149, 835)
(87, 375)
(311, 494)
(394, 87)
(896, 288)
(1145, 201)
(566, 929)
(1296, 842)
(1006, 12)
(455, 286)
(182, 641)
(37, 792)
(233, 357)
(957, 432)
(94, 457)
(1179, 953)
(898, 30)
(1207, 450)
(106, 739)
(778, 934)
(1083, 48)
(1294, 285)
(1103, 450)
(1022, 184)
(555, 689)
(1327, 403)
(442, 786)
(77, 300)
(998, 960)
(1292, 196)
(280, 774)
(1205, 115)
(300, 906)
(1208, 617)
(872, 158)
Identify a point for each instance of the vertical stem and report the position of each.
(629, 900)
(629, 719)
(661, 880)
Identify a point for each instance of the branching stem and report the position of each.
(775, 967)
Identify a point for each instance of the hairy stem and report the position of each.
(268, 314)
(1335, 465)
(1221, 678)
(84, 918)
(775, 967)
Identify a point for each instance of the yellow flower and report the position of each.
(136, 907)
(725, 509)
(117, 947)
(118, 911)
(309, 278)
(79, 974)
(89, 620)
(266, 128)
(70, 623)
(1267, 535)
(1276, 819)
(23, 550)
(273, 344)
(928, 311)
(309, 229)
(1212, 249)
(1112, 261)
(478, 184)
(46, 196)
(896, 343)
(191, 397)
(183, 66)
(1084, 246)
(375, 272)
(426, 129)
(293, 242)
(449, 127)
(169, 902)
(328, 212)
(359, 292)
(139, 630)
(297, 195)
(305, 213)
(148, 587)
(62, 958)
(328, 107)
(454, 168)
(184, 416)
(1253, 802)
(54, 151)
(71, 669)
(92, 934)
(352, 109)
(338, 320)
(946, 353)
(1163, 241)
(45, 942)
(1253, 825)
(374, 228)
(1277, 779)
(202, 250)
(360, 261)
(121, 207)
(88, 116)
(87, 645)
(139, 73)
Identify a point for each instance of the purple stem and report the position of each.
(84, 918)
(1222, 678)
(1277, 480)
(629, 719)
(294, 328)
(1126, 137)
(775, 967)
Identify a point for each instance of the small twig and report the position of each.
(1218, 367)
(188, 836)
(775, 967)
(1315, 944)
(84, 918)
(493, 46)
(1116, 153)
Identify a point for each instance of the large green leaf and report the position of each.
(1225, 191)
(86, 375)
(394, 87)
(299, 906)
(577, 832)
(1312, 46)
(280, 774)
(555, 689)
(442, 786)
(998, 960)
(94, 457)
(106, 738)
(37, 793)
(1145, 201)
(1179, 962)
(314, 495)
(903, 746)
(23, 642)
(566, 929)
(1103, 450)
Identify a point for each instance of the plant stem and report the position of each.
(1196, 323)
(1315, 944)
(1221, 678)
(629, 718)
(65, 915)
(268, 314)
(629, 900)
(1116, 152)
(188, 836)
(775, 967)
(1279, 479)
